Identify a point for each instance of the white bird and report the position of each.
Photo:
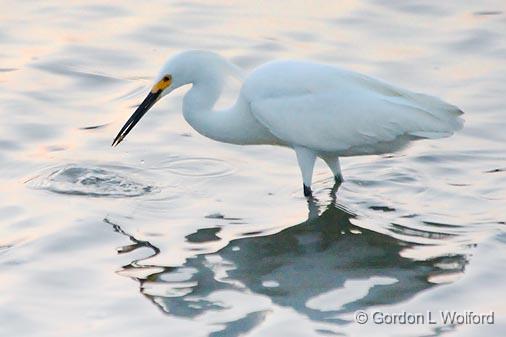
(317, 110)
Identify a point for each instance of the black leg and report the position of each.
(338, 179)
(307, 191)
(333, 192)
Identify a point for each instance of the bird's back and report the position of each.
(335, 110)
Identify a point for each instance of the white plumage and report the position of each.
(318, 110)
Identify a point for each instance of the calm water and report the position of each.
(172, 234)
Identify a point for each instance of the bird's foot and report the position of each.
(338, 179)
(333, 192)
(307, 191)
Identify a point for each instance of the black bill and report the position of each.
(136, 116)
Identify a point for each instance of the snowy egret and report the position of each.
(317, 110)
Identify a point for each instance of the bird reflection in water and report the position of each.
(296, 268)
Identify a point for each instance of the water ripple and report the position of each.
(93, 181)
(196, 167)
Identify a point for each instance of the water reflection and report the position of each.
(324, 268)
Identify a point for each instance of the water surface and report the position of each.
(174, 234)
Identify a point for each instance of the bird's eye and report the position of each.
(167, 78)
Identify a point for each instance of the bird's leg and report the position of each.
(307, 190)
(306, 159)
(313, 208)
(335, 167)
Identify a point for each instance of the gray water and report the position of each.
(172, 234)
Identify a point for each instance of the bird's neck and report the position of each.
(235, 125)
(232, 125)
(198, 106)
(201, 99)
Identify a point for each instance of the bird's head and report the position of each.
(181, 69)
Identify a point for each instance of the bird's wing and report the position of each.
(358, 119)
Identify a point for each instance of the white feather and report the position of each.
(332, 110)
